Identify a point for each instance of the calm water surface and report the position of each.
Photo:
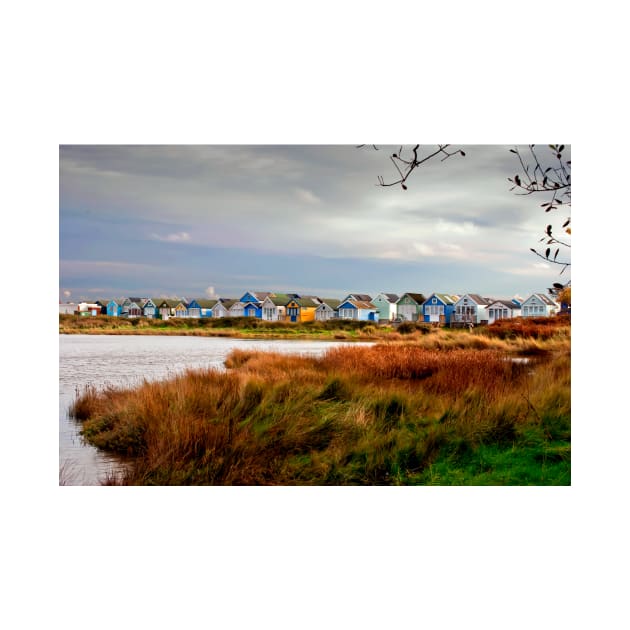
(126, 360)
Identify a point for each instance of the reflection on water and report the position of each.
(126, 360)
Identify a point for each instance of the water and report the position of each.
(125, 360)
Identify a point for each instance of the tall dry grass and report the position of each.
(358, 415)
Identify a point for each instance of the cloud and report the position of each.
(441, 250)
(176, 237)
(423, 249)
(71, 268)
(393, 254)
(540, 269)
(307, 196)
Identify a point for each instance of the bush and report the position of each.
(534, 327)
(406, 328)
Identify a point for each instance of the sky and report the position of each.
(219, 220)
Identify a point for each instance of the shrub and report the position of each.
(406, 328)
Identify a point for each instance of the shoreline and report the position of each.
(512, 336)
(224, 334)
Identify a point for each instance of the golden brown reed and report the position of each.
(379, 414)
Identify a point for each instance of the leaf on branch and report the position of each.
(561, 149)
(547, 251)
(463, 153)
(513, 151)
(557, 285)
(568, 230)
(517, 180)
(548, 230)
(566, 223)
(556, 254)
(404, 187)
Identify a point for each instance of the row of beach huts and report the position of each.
(437, 308)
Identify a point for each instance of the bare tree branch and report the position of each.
(554, 179)
(406, 164)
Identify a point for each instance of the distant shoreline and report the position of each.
(522, 337)
(234, 334)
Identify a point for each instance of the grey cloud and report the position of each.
(302, 200)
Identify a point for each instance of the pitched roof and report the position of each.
(332, 302)
(542, 297)
(258, 295)
(416, 297)
(360, 304)
(307, 301)
(447, 298)
(167, 303)
(364, 297)
(508, 303)
(364, 304)
(279, 299)
(443, 297)
(205, 303)
(482, 301)
(477, 299)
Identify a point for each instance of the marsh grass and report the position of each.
(386, 414)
